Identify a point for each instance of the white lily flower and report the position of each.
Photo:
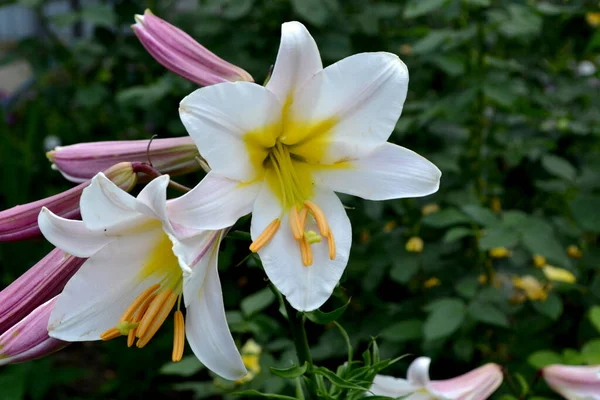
(139, 265)
(282, 150)
(478, 384)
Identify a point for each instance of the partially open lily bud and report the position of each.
(574, 382)
(180, 53)
(40, 283)
(28, 339)
(80, 162)
(20, 222)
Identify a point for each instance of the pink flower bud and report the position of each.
(20, 222)
(40, 283)
(28, 339)
(80, 162)
(178, 52)
(574, 382)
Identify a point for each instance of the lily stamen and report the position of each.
(331, 243)
(137, 317)
(137, 302)
(110, 334)
(178, 337)
(319, 217)
(265, 236)
(306, 251)
(159, 318)
(295, 223)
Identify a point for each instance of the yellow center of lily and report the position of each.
(147, 313)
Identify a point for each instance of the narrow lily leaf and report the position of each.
(256, 393)
(322, 318)
(336, 380)
(346, 339)
(292, 372)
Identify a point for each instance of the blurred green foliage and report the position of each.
(504, 98)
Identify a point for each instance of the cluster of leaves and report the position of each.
(501, 98)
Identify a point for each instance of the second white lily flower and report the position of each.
(282, 150)
(139, 266)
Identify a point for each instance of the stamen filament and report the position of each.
(265, 236)
(306, 251)
(319, 217)
(137, 317)
(295, 223)
(158, 320)
(110, 334)
(154, 308)
(331, 243)
(137, 302)
(178, 337)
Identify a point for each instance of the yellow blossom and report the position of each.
(559, 274)
(593, 18)
(414, 245)
(539, 260)
(251, 359)
(500, 252)
(574, 251)
(389, 226)
(432, 282)
(496, 205)
(430, 208)
(482, 279)
(533, 289)
(406, 49)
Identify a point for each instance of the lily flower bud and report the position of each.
(20, 222)
(28, 339)
(180, 53)
(574, 382)
(80, 162)
(40, 283)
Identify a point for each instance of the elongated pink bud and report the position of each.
(478, 384)
(40, 283)
(28, 339)
(574, 382)
(80, 162)
(178, 52)
(20, 222)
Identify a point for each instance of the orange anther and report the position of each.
(319, 217)
(154, 308)
(137, 302)
(110, 334)
(306, 251)
(137, 317)
(178, 337)
(331, 243)
(158, 319)
(265, 236)
(295, 223)
(302, 218)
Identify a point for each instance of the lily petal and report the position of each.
(215, 203)
(351, 107)
(479, 383)
(418, 372)
(392, 387)
(71, 236)
(206, 326)
(97, 295)
(390, 172)
(306, 288)
(297, 61)
(220, 117)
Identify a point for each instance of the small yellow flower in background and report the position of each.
(482, 279)
(500, 252)
(559, 274)
(414, 245)
(496, 205)
(251, 358)
(534, 290)
(539, 260)
(389, 226)
(364, 236)
(431, 208)
(593, 18)
(406, 49)
(432, 282)
(574, 251)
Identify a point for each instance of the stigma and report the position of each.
(146, 314)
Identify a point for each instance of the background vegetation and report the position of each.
(503, 97)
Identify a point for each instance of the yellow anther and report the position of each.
(137, 317)
(302, 218)
(110, 334)
(295, 223)
(319, 217)
(265, 236)
(137, 302)
(312, 237)
(305, 250)
(331, 243)
(178, 337)
(154, 308)
(158, 320)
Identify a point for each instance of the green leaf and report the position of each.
(538, 237)
(256, 393)
(99, 14)
(559, 167)
(187, 367)
(403, 331)
(591, 352)
(322, 318)
(445, 318)
(487, 313)
(467, 287)
(552, 307)
(457, 233)
(585, 211)
(416, 8)
(314, 11)
(483, 216)
(257, 302)
(453, 66)
(445, 218)
(543, 358)
(595, 317)
(498, 237)
(336, 380)
(292, 372)
(501, 94)
(404, 268)
(431, 42)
